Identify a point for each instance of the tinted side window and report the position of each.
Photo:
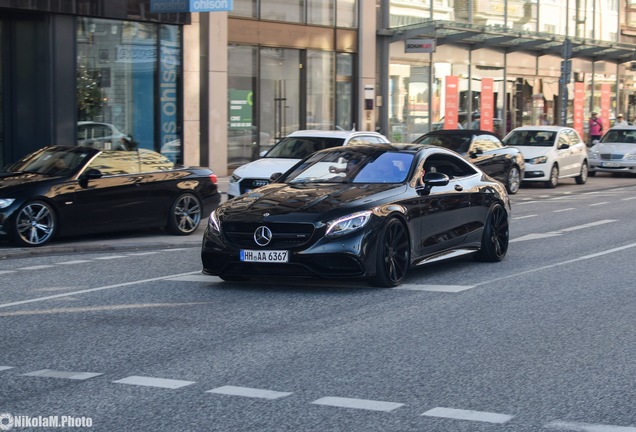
(116, 162)
(451, 166)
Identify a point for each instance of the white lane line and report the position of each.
(628, 199)
(364, 404)
(74, 262)
(110, 257)
(2, 368)
(572, 261)
(564, 210)
(142, 253)
(587, 427)
(587, 225)
(6, 271)
(435, 288)
(154, 382)
(37, 267)
(249, 392)
(599, 203)
(525, 217)
(196, 278)
(174, 249)
(69, 294)
(536, 236)
(49, 373)
(459, 414)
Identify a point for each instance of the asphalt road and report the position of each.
(139, 340)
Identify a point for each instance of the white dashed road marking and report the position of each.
(363, 404)
(5, 368)
(6, 271)
(196, 278)
(459, 414)
(38, 267)
(50, 373)
(74, 262)
(154, 382)
(249, 392)
(435, 288)
(587, 427)
(110, 257)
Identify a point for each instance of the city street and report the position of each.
(139, 340)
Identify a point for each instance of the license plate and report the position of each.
(610, 164)
(264, 256)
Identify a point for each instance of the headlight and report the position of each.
(6, 202)
(630, 156)
(538, 160)
(347, 224)
(234, 178)
(594, 155)
(213, 223)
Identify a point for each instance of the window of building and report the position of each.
(244, 8)
(347, 13)
(320, 12)
(283, 10)
(320, 93)
(344, 90)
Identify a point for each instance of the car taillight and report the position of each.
(213, 178)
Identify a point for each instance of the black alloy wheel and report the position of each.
(393, 255)
(185, 215)
(496, 236)
(35, 224)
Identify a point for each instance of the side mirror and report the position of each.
(564, 146)
(89, 174)
(275, 176)
(431, 180)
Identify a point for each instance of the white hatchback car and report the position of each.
(615, 152)
(551, 153)
(291, 149)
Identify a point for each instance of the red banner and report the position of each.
(451, 102)
(605, 106)
(487, 105)
(579, 107)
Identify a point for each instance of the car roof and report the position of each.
(460, 132)
(331, 133)
(542, 128)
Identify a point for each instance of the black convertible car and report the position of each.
(483, 149)
(360, 212)
(76, 190)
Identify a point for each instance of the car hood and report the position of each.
(530, 152)
(622, 148)
(9, 180)
(264, 168)
(310, 202)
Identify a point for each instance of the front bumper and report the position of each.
(539, 172)
(613, 166)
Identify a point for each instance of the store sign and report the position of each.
(419, 46)
(451, 102)
(241, 108)
(166, 6)
(579, 107)
(487, 105)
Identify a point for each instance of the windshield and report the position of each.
(346, 166)
(301, 147)
(619, 136)
(51, 161)
(532, 138)
(457, 143)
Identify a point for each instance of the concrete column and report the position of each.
(367, 65)
(191, 90)
(217, 92)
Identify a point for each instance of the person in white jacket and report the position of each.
(620, 121)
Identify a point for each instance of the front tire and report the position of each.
(554, 177)
(393, 255)
(35, 224)
(514, 180)
(185, 215)
(496, 236)
(582, 177)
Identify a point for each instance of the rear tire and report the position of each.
(554, 177)
(185, 215)
(35, 224)
(496, 236)
(582, 177)
(591, 173)
(393, 255)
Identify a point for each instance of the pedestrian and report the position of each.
(620, 121)
(596, 128)
(476, 123)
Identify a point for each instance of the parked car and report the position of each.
(289, 151)
(104, 136)
(551, 153)
(72, 190)
(615, 152)
(485, 150)
(363, 211)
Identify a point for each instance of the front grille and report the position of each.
(284, 236)
(249, 184)
(611, 156)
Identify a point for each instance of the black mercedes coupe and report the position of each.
(360, 211)
(72, 190)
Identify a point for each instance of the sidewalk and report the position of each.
(131, 241)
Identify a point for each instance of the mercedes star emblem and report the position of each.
(262, 236)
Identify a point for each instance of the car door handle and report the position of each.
(459, 188)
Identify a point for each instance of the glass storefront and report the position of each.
(2, 150)
(341, 13)
(127, 72)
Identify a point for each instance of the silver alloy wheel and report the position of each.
(35, 224)
(554, 177)
(186, 214)
(514, 180)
